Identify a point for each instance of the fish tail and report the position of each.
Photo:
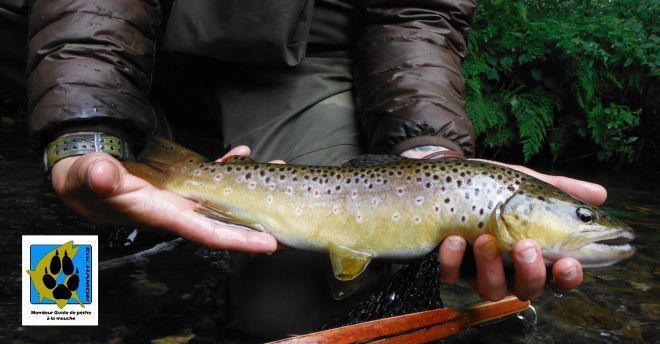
(159, 159)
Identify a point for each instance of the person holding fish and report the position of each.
(308, 82)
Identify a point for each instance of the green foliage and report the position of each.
(543, 73)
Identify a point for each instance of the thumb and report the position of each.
(95, 173)
(103, 177)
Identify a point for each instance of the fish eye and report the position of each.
(585, 215)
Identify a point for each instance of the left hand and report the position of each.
(526, 255)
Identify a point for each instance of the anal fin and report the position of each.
(347, 263)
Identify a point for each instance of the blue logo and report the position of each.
(61, 274)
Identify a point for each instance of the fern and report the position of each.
(533, 113)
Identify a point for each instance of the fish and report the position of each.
(391, 207)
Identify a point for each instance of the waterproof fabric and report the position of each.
(91, 62)
(273, 33)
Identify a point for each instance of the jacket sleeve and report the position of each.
(408, 79)
(89, 67)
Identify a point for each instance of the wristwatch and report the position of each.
(82, 143)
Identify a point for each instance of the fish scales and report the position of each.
(388, 207)
(396, 210)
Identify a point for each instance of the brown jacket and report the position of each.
(91, 63)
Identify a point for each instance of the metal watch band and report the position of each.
(82, 143)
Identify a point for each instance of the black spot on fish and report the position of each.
(212, 170)
(452, 209)
(436, 177)
(455, 170)
(541, 198)
(248, 175)
(447, 200)
(229, 168)
(481, 211)
(428, 185)
(459, 183)
(338, 188)
(448, 179)
(480, 225)
(463, 218)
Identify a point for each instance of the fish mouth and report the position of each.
(606, 250)
(622, 239)
(600, 251)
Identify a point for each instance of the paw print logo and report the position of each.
(55, 277)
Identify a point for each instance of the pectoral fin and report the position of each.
(347, 263)
(217, 212)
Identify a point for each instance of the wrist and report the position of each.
(80, 143)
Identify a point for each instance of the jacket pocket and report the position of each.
(258, 32)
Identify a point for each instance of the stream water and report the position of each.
(173, 295)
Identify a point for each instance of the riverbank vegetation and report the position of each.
(565, 80)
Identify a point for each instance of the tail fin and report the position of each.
(159, 158)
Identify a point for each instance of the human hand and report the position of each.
(97, 186)
(526, 255)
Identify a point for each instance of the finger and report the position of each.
(566, 274)
(588, 192)
(491, 282)
(450, 256)
(279, 162)
(236, 151)
(530, 269)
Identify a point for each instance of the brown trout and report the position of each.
(387, 206)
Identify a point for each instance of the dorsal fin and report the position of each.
(373, 159)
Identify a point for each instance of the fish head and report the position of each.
(562, 226)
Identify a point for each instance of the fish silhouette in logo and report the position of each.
(45, 274)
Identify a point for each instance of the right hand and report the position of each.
(97, 186)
